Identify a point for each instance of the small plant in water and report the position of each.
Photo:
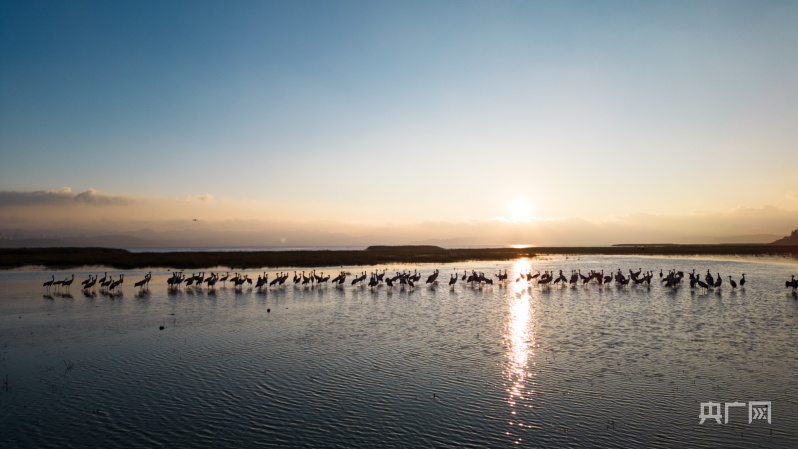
(68, 365)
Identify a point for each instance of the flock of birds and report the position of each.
(672, 280)
(299, 279)
(405, 279)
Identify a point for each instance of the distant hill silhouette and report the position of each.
(792, 239)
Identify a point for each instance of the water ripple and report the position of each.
(474, 367)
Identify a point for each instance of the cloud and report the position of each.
(64, 196)
(791, 195)
(247, 223)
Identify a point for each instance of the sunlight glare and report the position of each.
(520, 210)
(520, 340)
(521, 266)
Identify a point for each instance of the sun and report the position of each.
(520, 210)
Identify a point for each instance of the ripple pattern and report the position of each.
(494, 366)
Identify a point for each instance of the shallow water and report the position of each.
(433, 366)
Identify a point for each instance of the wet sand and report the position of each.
(123, 259)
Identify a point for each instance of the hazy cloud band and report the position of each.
(61, 197)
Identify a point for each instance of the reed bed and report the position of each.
(55, 258)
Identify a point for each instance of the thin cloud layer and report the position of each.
(205, 220)
(61, 197)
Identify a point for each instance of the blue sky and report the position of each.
(374, 112)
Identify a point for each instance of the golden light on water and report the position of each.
(521, 266)
(520, 336)
(519, 339)
(521, 246)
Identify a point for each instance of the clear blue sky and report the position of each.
(392, 111)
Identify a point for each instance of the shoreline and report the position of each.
(123, 259)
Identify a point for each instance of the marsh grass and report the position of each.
(375, 255)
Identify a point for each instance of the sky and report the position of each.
(568, 122)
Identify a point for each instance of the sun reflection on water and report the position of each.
(520, 343)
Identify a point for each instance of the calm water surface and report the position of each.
(499, 366)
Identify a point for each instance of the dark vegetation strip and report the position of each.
(123, 259)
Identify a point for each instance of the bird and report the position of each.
(324, 279)
(544, 281)
(118, 282)
(709, 279)
(174, 281)
(339, 280)
(224, 278)
(91, 283)
(262, 280)
(68, 282)
(144, 281)
(212, 280)
(742, 281)
(501, 277)
(560, 278)
(277, 280)
(732, 283)
(238, 281)
(49, 283)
